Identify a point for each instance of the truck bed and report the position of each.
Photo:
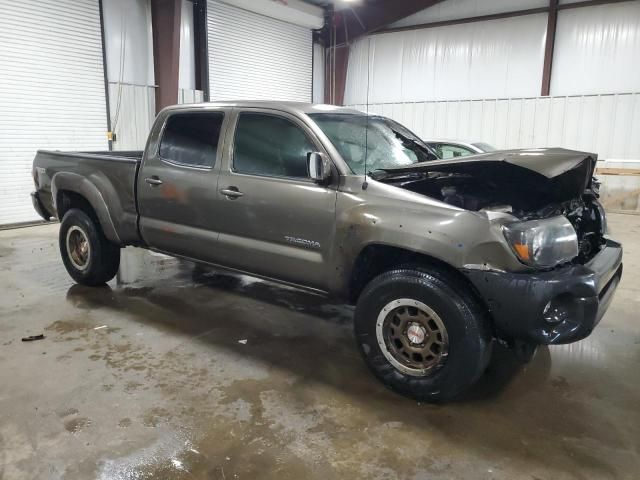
(124, 155)
(108, 177)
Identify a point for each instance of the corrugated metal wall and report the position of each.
(597, 50)
(497, 58)
(606, 124)
(254, 57)
(51, 90)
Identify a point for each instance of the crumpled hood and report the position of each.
(549, 162)
(563, 173)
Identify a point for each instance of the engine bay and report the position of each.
(523, 199)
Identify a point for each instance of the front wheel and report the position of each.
(88, 256)
(423, 333)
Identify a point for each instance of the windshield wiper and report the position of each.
(381, 175)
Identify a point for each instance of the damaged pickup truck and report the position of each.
(441, 257)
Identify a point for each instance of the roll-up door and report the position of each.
(51, 90)
(254, 57)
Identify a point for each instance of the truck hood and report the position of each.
(563, 174)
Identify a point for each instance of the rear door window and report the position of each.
(449, 150)
(270, 145)
(191, 139)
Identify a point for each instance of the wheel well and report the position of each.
(66, 200)
(376, 259)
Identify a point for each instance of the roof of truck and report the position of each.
(292, 107)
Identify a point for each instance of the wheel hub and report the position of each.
(78, 247)
(416, 333)
(412, 337)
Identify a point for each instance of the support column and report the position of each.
(165, 20)
(337, 60)
(201, 46)
(552, 22)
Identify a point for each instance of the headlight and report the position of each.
(543, 243)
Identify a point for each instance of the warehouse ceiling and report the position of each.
(354, 18)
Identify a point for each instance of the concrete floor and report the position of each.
(151, 377)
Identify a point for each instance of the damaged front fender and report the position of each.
(554, 307)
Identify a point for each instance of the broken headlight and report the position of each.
(543, 243)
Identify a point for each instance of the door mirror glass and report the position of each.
(319, 167)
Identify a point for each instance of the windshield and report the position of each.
(384, 143)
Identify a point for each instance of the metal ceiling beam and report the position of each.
(462, 21)
(373, 15)
(499, 16)
(342, 26)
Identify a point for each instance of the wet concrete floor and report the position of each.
(174, 372)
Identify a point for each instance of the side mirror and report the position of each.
(319, 167)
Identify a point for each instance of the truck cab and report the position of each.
(213, 183)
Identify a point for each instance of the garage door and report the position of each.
(51, 90)
(256, 57)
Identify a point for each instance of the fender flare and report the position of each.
(73, 182)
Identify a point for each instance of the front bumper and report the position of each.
(577, 295)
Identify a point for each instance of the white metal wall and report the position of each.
(597, 50)
(605, 124)
(255, 57)
(498, 58)
(51, 90)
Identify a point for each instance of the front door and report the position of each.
(177, 185)
(275, 220)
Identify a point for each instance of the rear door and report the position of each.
(177, 184)
(275, 221)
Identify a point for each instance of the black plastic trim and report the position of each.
(517, 300)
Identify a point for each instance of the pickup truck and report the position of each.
(442, 258)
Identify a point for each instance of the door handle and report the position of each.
(153, 181)
(231, 192)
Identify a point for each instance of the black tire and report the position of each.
(103, 257)
(465, 319)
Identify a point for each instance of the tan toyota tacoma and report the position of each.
(441, 257)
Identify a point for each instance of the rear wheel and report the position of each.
(88, 256)
(423, 333)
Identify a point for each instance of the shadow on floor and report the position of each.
(310, 338)
(325, 332)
